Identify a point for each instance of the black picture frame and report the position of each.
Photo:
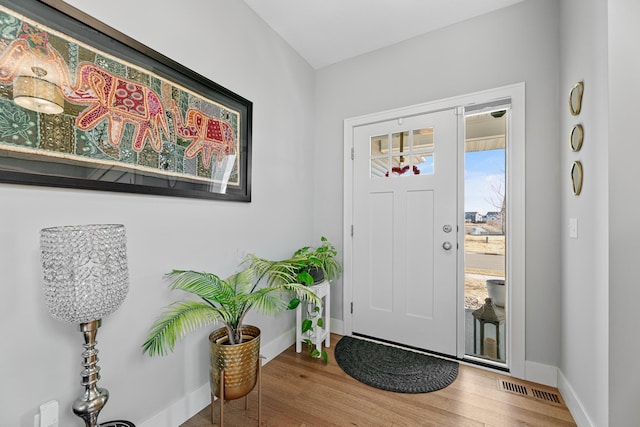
(218, 137)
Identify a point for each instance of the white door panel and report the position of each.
(404, 280)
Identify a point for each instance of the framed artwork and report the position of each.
(84, 106)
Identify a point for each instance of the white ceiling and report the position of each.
(328, 31)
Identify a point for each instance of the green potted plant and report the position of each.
(316, 264)
(227, 301)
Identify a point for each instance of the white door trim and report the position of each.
(515, 216)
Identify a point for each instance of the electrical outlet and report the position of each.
(49, 414)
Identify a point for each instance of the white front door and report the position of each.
(405, 231)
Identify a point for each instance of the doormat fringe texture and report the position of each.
(393, 369)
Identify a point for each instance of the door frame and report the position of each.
(515, 190)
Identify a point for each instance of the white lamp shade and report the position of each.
(86, 276)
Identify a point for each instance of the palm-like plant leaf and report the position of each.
(303, 292)
(205, 285)
(275, 272)
(227, 300)
(267, 300)
(271, 300)
(180, 318)
(242, 282)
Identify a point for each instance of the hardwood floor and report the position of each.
(300, 391)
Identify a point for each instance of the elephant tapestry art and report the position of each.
(70, 103)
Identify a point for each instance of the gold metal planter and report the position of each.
(239, 362)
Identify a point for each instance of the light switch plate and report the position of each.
(573, 228)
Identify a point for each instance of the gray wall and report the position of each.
(298, 116)
(624, 237)
(585, 259)
(40, 359)
(516, 44)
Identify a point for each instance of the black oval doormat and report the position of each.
(393, 369)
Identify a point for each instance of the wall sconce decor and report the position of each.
(576, 177)
(575, 98)
(86, 278)
(577, 136)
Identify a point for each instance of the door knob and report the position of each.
(447, 246)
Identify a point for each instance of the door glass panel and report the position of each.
(379, 146)
(400, 167)
(400, 142)
(379, 154)
(485, 287)
(423, 163)
(423, 140)
(379, 167)
(422, 150)
(406, 153)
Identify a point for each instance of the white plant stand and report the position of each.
(322, 291)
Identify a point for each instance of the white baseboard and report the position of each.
(193, 403)
(274, 347)
(552, 376)
(573, 403)
(181, 410)
(337, 326)
(540, 373)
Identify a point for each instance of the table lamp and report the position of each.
(86, 278)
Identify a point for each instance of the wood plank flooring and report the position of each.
(299, 391)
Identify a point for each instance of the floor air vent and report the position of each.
(513, 387)
(528, 391)
(547, 396)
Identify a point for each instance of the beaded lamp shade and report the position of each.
(86, 275)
